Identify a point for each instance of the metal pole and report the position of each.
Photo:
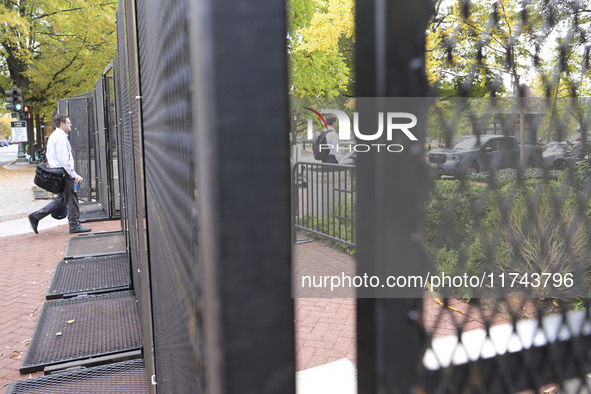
(21, 156)
(245, 215)
(389, 63)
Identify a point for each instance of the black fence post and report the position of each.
(389, 63)
(241, 132)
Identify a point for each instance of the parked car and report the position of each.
(3, 143)
(551, 144)
(473, 154)
(557, 156)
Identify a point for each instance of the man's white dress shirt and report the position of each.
(59, 152)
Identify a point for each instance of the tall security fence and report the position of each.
(472, 208)
(182, 211)
(95, 148)
(491, 227)
(80, 110)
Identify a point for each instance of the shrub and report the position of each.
(540, 232)
(450, 212)
(536, 225)
(509, 175)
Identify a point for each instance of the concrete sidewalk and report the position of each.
(17, 200)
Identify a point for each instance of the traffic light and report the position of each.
(27, 112)
(14, 98)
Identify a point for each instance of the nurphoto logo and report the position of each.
(390, 122)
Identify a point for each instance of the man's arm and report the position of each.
(65, 160)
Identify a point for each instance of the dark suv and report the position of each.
(473, 154)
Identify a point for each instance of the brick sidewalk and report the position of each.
(325, 328)
(27, 263)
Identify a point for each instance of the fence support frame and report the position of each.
(240, 96)
(389, 63)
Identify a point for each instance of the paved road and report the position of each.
(16, 197)
(8, 154)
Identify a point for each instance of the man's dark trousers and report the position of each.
(68, 198)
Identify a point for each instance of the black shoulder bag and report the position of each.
(51, 179)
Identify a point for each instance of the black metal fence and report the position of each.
(207, 211)
(324, 197)
(180, 236)
(95, 144)
(506, 223)
(80, 110)
(105, 140)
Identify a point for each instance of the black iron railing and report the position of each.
(324, 200)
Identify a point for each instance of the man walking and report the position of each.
(59, 154)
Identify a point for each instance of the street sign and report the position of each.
(19, 131)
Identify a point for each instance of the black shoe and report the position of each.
(79, 229)
(34, 222)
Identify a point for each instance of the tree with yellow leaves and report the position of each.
(55, 48)
(321, 37)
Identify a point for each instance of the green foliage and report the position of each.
(4, 128)
(338, 223)
(578, 303)
(475, 48)
(522, 226)
(299, 15)
(584, 168)
(321, 37)
(56, 48)
(319, 74)
(449, 213)
(541, 229)
(509, 175)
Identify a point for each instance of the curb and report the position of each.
(14, 165)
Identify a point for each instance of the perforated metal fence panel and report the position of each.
(170, 182)
(62, 107)
(118, 126)
(161, 157)
(81, 114)
(133, 150)
(118, 378)
(243, 192)
(101, 152)
(125, 129)
(83, 327)
(113, 151)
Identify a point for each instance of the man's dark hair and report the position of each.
(58, 120)
(330, 119)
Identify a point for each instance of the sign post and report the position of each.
(19, 131)
(19, 134)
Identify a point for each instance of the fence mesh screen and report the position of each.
(127, 141)
(113, 152)
(81, 115)
(171, 192)
(510, 197)
(101, 155)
